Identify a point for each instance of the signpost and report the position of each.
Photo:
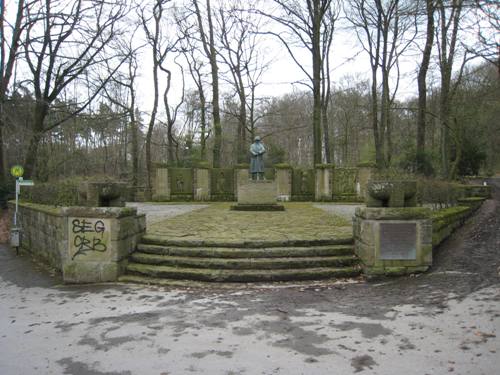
(17, 171)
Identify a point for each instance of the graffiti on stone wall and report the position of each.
(87, 236)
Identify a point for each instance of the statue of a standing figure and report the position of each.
(257, 151)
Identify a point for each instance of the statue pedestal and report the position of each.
(257, 195)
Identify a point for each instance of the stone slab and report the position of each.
(398, 241)
(257, 192)
(257, 207)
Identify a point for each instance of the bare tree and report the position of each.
(66, 41)
(310, 26)
(451, 15)
(239, 39)
(197, 74)
(422, 85)
(161, 47)
(126, 81)
(206, 34)
(487, 24)
(385, 30)
(8, 57)
(171, 111)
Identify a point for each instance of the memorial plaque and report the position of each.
(398, 241)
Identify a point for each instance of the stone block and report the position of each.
(390, 240)
(284, 184)
(323, 184)
(257, 192)
(202, 184)
(364, 175)
(90, 272)
(391, 193)
(162, 186)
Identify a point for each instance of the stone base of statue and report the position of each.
(257, 195)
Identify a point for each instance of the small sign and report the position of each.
(17, 171)
(398, 241)
(26, 183)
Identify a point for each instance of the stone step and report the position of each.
(263, 252)
(197, 274)
(244, 263)
(139, 279)
(167, 241)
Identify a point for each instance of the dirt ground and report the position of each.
(444, 321)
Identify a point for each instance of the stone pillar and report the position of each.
(162, 185)
(323, 186)
(257, 196)
(202, 184)
(391, 235)
(365, 174)
(99, 242)
(241, 175)
(284, 182)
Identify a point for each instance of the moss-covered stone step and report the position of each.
(244, 263)
(227, 252)
(139, 279)
(168, 241)
(240, 275)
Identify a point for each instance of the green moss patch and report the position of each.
(217, 223)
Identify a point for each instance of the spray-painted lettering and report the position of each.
(88, 236)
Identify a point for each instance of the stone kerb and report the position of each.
(99, 241)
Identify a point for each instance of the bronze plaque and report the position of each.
(398, 241)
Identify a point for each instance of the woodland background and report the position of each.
(70, 72)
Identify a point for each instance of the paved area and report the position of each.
(216, 222)
(446, 321)
(380, 328)
(158, 212)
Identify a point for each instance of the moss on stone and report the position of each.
(282, 166)
(218, 224)
(324, 166)
(367, 164)
(48, 209)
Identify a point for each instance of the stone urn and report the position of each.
(391, 193)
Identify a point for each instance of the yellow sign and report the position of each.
(17, 171)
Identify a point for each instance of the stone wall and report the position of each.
(87, 244)
(323, 183)
(44, 232)
(446, 220)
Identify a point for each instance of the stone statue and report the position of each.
(257, 151)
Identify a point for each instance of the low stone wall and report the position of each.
(88, 244)
(445, 221)
(322, 183)
(44, 232)
(395, 241)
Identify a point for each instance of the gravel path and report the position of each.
(159, 212)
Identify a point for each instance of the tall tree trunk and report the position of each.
(242, 120)
(316, 62)
(203, 120)
(135, 148)
(7, 63)
(41, 110)
(379, 152)
(422, 87)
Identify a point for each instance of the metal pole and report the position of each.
(17, 202)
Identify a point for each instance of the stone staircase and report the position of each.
(162, 261)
